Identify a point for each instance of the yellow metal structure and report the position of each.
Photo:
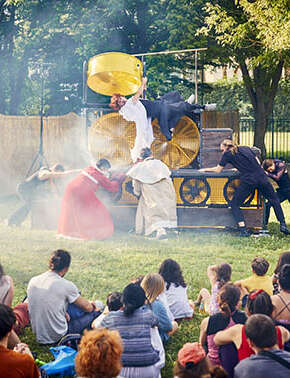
(114, 72)
(112, 137)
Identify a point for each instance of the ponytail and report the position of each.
(230, 146)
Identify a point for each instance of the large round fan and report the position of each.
(230, 188)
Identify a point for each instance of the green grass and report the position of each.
(100, 267)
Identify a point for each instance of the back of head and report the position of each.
(171, 272)
(260, 266)
(228, 298)
(114, 301)
(133, 298)
(267, 163)
(283, 259)
(145, 153)
(153, 285)
(103, 164)
(260, 329)
(59, 260)
(7, 320)
(259, 302)
(224, 272)
(230, 146)
(284, 277)
(57, 168)
(99, 354)
(116, 101)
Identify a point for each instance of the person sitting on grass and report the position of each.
(281, 301)
(229, 315)
(153, 285)
(259, 302)
(268, 361)
(284, 258)
(114, 303)
(218, 275)
(176, 290)
(193, 363)
(49, 296)
(258, 280)
(99, 354)
(18, 363)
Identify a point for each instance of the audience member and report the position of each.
(99, 354)
(229, 315)
(281, 301)
(193, 363)
(49, 296)
(18, 363)
(269, 361)
(153, 285)
(259, 302)
(134, 322)
(283, 259)
(218, 275)
(176, 290)
(258, 280)
(114, 303)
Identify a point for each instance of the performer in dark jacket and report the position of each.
(277, 171)
(252, 177)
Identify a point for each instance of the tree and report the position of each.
(240, 32)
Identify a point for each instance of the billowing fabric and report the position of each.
(82, 214)
(157, 202)
(136, 112)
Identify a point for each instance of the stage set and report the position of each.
(203, 199)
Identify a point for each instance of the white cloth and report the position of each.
(5, 284)
(162, 297)
(136, 112)
(149, 171)
(178, 301)
(48, 298)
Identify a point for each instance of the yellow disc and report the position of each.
(114, 72)
(112, 137)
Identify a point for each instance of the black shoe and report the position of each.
(284, 229)
(244, 233)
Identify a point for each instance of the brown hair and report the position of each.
(267, 163)
(259, 302)
(99, 354)
(117, 101)
(260, 266)
(223, 274)
(199, 370)
(153, 285)
(283, 259)
(230, 146)
(260, 329)
(59, 260)
(228, 298)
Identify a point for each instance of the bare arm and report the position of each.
(203, 328)
(230, 335)
(140, 90)
(47, 174)
(211, 273)
(285, 334)
(84, 304)
(216, 169)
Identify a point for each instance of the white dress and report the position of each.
(136, 112)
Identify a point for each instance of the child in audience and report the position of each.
(99, 354)
(229, 315)
(283, 259)
(218, 275)
(258, 280)
(193, 363)
(153, 286)
(114, 303)
(259, 302)
(176, 290)
(281, 301)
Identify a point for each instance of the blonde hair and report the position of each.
(153, 285)
(230, 146)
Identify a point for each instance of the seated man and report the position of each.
(18, 363)
(49, 296)
(269, 361)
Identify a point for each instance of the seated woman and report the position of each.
(228, 316)
(153, 285)
(193, 363)
(99, 354)
(218, 275)
(6, 288)
(281, 301)
(284, 258)
(134, 323)
(259, 302)
(176, 290)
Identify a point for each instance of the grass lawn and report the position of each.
(100, 267)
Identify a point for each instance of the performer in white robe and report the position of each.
(157, 198)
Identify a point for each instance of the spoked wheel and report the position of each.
(230, 188)
(194, 191)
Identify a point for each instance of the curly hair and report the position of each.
(99, 354)
(117, 101)
(171, 272)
